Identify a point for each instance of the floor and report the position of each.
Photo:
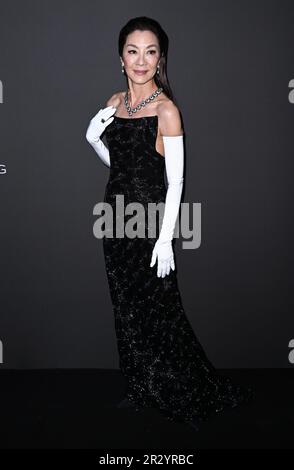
(75, 409)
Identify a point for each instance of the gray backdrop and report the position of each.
(230, 65)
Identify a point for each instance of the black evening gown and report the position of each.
(162, 360)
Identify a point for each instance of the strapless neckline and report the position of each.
(135, 119)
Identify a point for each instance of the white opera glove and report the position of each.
(174, 164)
(95, 130)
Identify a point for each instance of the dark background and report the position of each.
(230, 64)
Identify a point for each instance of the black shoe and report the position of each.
(125, 403)
(195, 424)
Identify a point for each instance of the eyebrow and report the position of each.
(151, 45)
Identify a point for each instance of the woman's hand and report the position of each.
(98, 123)
(96, 128)
(163, 251)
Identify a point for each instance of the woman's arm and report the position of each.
(172, 135)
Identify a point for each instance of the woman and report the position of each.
(161, 359)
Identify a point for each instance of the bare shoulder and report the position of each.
(169, 119)
(115, 99)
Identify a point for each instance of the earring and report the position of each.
(122, 69)
(157, 70)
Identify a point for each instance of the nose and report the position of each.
(141, 60)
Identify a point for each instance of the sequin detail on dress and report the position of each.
(160, 356)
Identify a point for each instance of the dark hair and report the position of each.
(143, 23)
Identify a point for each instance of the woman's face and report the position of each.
(141, 53)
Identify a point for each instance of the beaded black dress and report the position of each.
(162, 360)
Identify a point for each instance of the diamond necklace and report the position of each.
(143, 102)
